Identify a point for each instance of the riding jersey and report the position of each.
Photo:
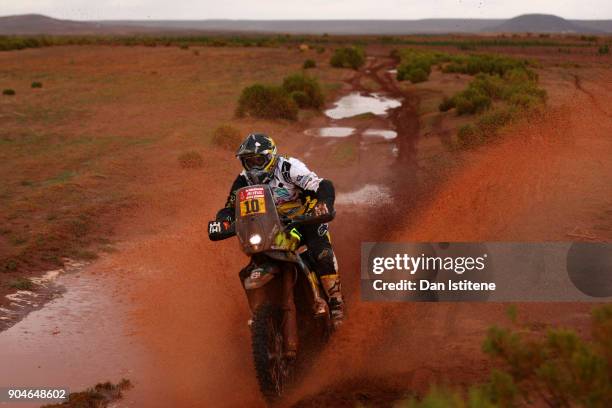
(292, 180)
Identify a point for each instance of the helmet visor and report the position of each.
(256, 161)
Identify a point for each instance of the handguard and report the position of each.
(220, 230)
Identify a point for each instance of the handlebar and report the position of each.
(220, 230)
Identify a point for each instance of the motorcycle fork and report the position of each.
(290, 330)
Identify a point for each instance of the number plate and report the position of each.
(252, 201)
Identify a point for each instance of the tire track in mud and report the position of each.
(440, 342)
(353, 359)
(595, 102)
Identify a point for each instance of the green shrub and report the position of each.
(517, 86)
(309, 63)
(227, 137)
(36, 84)
(190, 160)
(320, 49)
(603, 49)
(268, 102)
(559, 369)
(490, 122)
(415, 65)
(348, 57)
(8, 91)
(471, 101)
(491, 85)
(416, 75)
(306, 89)
(300, 98)
(482, 63)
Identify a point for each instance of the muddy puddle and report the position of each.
(331, 131)
(43, 289)
(380, 133)
(76, 341)
(357, 103)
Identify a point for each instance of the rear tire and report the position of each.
(272, 368)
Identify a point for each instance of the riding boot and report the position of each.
(331, 286)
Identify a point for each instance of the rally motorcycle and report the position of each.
(288, 306)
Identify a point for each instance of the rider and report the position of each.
(291, 182)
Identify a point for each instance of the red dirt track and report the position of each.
(548, 179)
(538, 184)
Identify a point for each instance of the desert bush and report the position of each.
(415, 75)
(190, 160)
(559, 369)
(8, 91)
(309, 63)
(99, 396)
(491, 85)
(36, 84)
(490, 122)
(348, 57)
(517, 86)
(483, 63)
(320, 49)
(227, 137)
(469, 136)
(471, 101)
(306, 89)
(300, 98)
(415, 65)
(266, 101)
(603, 49)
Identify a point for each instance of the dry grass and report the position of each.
(227, 137)
(77, 157)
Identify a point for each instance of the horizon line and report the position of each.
(297, 19)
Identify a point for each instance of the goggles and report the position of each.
(255, 162)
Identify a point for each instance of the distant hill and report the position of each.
(30, 24)
(540, 23)
(425, 26)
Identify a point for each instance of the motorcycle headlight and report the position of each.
(255, 239)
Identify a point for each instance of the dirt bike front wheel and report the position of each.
(272, 368)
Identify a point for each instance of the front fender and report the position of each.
(261, 275)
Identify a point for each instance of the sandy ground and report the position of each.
(183, 334)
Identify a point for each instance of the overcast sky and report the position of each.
(305, 9)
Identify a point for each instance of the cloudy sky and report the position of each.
(305, 9)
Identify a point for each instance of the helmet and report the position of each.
(258, 157)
